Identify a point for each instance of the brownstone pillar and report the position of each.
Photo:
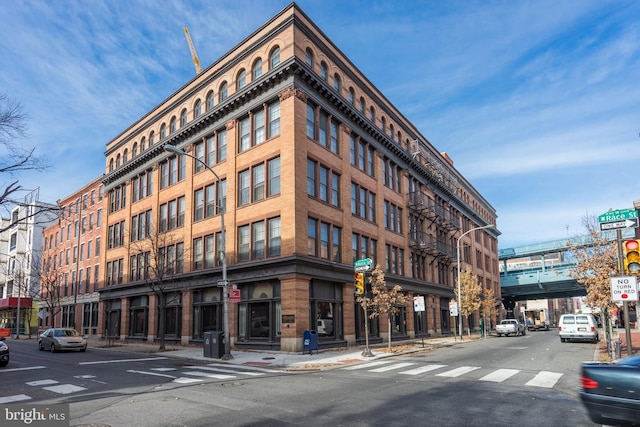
(294, 291)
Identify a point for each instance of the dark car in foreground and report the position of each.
(611, 391)
(4, 353)
(56, 339)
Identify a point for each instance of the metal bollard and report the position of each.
(618, 348)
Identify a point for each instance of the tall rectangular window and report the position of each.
(258, 182)
(245, 135)
(273, 167)
(244, 188)
(258, 127)
(274, 119)
(311, 121)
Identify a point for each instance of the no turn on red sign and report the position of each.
(624, 288)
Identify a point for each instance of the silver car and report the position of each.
(55, 339)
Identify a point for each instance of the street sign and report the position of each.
(222, 283)
(624, 288)
(362, 265)
(619, 215)
(234, 296)
(453, 307)
(627, 223)
(418, 303)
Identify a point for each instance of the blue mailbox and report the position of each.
(310, 341)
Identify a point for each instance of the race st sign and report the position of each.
(624, 288)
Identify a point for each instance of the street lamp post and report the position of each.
(223, 253)
(458, 278)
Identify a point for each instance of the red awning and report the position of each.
(12, 302)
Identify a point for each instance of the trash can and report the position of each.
(214, 344)
(310, 341)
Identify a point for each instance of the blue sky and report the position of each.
(537, 102)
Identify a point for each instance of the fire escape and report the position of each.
(426, 212)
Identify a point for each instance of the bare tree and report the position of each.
(16, 158)
(471, 295)
(163, 256)
(596, 263)
(385, 300)
(48, 292)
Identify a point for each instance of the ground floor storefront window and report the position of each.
(207, 312)
(374, 329)
(138, 316)
(326, 310)
(112, 318)
(172, 315)
(90, 318)
(259, 314)
(399, 323)
(444, 316)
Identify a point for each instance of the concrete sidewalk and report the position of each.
(291, 361)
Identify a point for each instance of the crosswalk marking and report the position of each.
(500, 375)
(367, 365)
(64, 388)
(392, 367)
(458, 371)
(183, 380)
(226, 371)
(209, 375)
(42, 382)
(544, 379)
(14, 398)
(422, 369)
(245, 369)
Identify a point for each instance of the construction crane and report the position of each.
(194, 54)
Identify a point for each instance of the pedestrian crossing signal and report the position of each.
(631, 259)
(358, 283)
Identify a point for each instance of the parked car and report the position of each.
(4, 353)
(611, 390)
(578, 327)
(55, 339)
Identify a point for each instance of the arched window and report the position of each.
(309, 57)
(173, 124)
(163, 131)
(183, 118)
(210, 100)
(111, 165)
(257, 68)
(391, 130)
(152, 138)
(118, 160)
(383, 125)
(222, 94)
(134, 150)
(362, 105)
(323, 71)
(372, 114)
(241, 79)
(398, 138)
(197, 109)
(143, 144)
(336, 83)
(125, 156)
(274, 57)
(352, 96)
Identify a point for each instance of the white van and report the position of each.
(578, 327)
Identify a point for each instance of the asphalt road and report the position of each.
(523, 381)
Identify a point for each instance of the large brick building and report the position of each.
(317, 169)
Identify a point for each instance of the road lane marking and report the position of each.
(98, 362)
(422, 369)
(183, 380)
(392, 367)
(500, 375)
(14, 398)
(458, 371)
(22, 369)
(544, 379)
(367, 365)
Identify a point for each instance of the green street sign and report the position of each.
(618, 215)
(364, 262)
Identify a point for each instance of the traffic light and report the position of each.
(358, 282)
(631, 256)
